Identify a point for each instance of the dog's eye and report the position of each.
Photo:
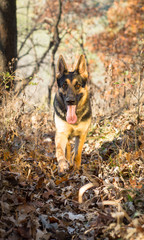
(64, 86)
(77, 86)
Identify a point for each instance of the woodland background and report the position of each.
(35, 203)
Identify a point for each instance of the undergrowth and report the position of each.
(38, 204)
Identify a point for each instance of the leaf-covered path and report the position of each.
(35, 203)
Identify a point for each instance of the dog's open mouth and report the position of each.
(71, 116)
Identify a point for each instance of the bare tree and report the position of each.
(52, 46)
(56, 43)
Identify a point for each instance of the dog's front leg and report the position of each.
(61, 140)
(79, 142)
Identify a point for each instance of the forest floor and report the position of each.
(36, 203)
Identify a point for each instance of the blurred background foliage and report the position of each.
(110, 35)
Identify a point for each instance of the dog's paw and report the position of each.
(63, 166)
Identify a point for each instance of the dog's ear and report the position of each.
(81, 67)
(61, 66)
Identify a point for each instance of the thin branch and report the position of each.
(57, 41)
(53, 44)
(26, 53)
(36, 69)
(35, 28)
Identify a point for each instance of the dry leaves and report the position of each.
(103, 201)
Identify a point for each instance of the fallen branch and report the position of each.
(83, 189)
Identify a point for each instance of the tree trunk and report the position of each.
(8, 37)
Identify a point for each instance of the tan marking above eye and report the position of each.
(71, 83)
(68, 81)
(74, 81)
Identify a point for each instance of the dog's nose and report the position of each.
(70, 100)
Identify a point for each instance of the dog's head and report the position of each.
(72, 86)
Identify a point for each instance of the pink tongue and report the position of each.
(71, 115)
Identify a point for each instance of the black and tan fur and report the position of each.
(72, 89)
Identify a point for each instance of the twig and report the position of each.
(83, 189)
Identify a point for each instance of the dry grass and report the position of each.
(38, 204)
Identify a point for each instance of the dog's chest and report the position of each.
(69, 129)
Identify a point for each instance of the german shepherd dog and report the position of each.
(72, 113)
